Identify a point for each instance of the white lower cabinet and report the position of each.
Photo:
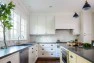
(33, 53)
(48, 50)
(14, 58)
(74, 58)
(82, 60)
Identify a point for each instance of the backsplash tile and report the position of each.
(62, 35)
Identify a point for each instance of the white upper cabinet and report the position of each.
(33, 24)
(64, 22)
(50, 25)
(42, 24)
(76, 30)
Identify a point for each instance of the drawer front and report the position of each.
(45, 54)
(72, 57)
(48, 49)
(14, 58)
(48, 45)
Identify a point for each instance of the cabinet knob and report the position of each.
(71, 56)
(9, 62)
(42, 49)
(51, 45)
(42, 53)
(42, 45)
(32, 52)
(32, 48)
(51, 49)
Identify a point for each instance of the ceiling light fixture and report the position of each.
(86, 6)
(75, 15)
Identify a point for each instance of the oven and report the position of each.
(64, 55)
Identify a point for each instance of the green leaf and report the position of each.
(5, 14)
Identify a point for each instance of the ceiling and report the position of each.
(56, 5)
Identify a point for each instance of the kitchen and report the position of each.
(49, 31)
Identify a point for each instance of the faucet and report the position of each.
(19, 37)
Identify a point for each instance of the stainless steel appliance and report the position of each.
(64, 55)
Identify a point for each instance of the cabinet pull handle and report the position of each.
(51, 54)
(51, 45)
(51, 49)
(42, 45)
(9, 62)
(42, 49)
(71, 56)
(42, 53)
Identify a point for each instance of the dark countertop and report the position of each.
(47, 42)
(85, 53)
(11, 50)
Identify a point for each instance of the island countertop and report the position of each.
(85, 53)
(10, 50)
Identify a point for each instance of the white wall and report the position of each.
(86, 27)
(62, 35)
(93, 25)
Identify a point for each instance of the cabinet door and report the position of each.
(14, 58)
(82, 60)
(33, 54)
(72, 57)
(33, 24)
(50, 25)
(41, 25)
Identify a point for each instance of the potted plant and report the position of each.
(5, 18)
(87, 45)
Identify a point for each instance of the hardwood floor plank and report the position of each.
(48, 60)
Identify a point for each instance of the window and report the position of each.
(23, 29)
(19, 27)
(18, 30)
(16, 26)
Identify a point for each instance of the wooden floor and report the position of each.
(48, 60)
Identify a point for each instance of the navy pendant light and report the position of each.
(86, 6)
(75, 15)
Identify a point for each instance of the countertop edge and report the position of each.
(14, 52)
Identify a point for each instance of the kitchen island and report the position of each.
(87, 54)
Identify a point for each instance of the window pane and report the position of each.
(1, 35)
(16, 17)
(1, 29)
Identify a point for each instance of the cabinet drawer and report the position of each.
(45, 54)
(72, 57)
(14, 58)
(47, 49)
(48, 45)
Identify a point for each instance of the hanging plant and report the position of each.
(5, 18)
